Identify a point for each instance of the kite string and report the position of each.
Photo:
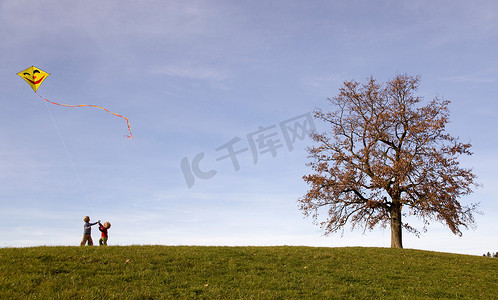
(70, 159)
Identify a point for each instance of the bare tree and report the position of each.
(386, 156)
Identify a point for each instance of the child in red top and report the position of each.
(103, 229)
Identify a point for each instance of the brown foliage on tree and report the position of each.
(387, 155)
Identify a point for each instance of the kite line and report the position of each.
(90, 105)
(70, 158)
(34, 77)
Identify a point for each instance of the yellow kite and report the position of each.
(35, 76)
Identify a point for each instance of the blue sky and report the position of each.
(198, 77)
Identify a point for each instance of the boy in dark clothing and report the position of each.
(103, 229)
(87, 232)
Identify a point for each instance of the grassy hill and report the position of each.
(156, 272)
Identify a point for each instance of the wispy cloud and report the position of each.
(484, 76)
(324, 80)
(109, 19)
(191, 71)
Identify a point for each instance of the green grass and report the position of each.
(188, 272)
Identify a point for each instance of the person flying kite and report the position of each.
(35, 76)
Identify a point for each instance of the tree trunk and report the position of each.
(396, 241)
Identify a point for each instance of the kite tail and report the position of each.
(81, 105)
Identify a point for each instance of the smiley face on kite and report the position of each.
(33, 76)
